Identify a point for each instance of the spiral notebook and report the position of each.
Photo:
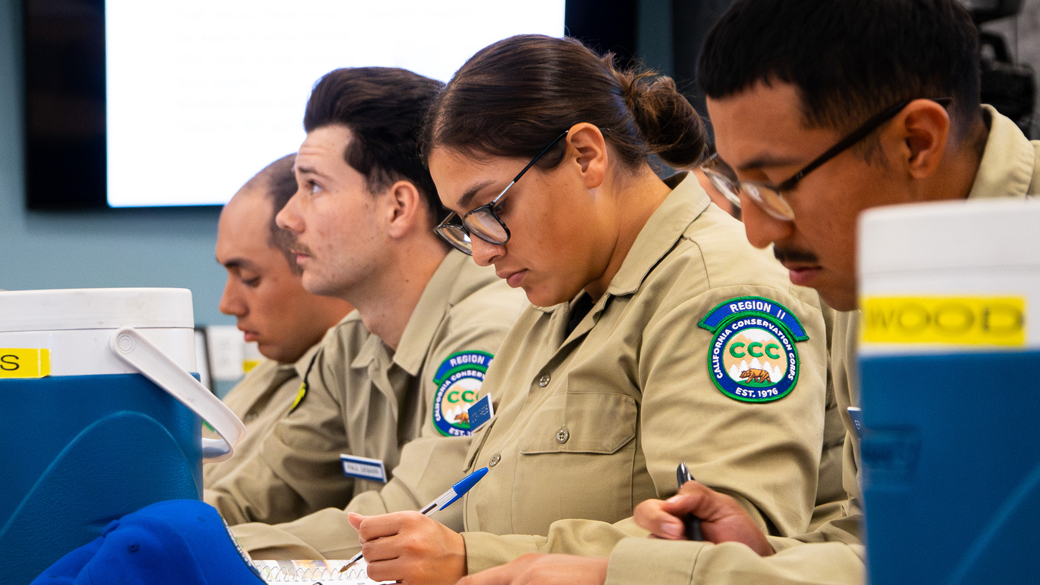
(314, 572)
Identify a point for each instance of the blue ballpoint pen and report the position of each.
(443, 501)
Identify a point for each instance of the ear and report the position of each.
(585, 143)
(924, 128)
(403, 208)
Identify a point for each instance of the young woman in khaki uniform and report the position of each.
(657, 334)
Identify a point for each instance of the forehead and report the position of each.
(764, 126)
(244, 226)
(324, 144)
(458, 175)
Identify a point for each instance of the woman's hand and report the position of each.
(410, 548)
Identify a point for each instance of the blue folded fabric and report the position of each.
(177, 542)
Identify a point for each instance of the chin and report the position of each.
(840, 300)
(547, 298)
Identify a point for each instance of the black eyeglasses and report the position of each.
(483, 222)
(770, 198)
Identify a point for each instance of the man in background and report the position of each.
(390, 381)
(264, 294)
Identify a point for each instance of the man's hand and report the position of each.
(536, 569)
(410, 548)
(722, 518)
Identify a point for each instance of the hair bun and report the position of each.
(671, 127)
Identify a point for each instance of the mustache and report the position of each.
(785, 255)
(296, 247)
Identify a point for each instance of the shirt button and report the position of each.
(494, 460)
(544, 380)
(251, 417)
(562, 435)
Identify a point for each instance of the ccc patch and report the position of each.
(753, 357)
(458, 382)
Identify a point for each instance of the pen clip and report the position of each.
(682, 474)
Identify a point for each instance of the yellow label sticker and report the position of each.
(248, 365)
(23, 362)
(961, 320)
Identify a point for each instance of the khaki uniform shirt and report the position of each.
(1008, 169)
(365, 400)
(592, 422)
(260, 400)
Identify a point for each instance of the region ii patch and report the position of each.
(753, 357)
(458, 382)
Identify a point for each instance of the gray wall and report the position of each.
(168, 247)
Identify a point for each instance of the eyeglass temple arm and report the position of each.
(867, 127)
(535, 159)
(861, 133)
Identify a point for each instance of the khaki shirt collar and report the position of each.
(1006, 168)
(662, 231)
(446, 287)
(301, 365)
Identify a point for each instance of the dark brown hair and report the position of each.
(384, 109)
(849, 59)
(514, 96)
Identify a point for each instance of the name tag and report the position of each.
(363, 468)
(481, 412)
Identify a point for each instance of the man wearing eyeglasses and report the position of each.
(824, 108)
(389, 387)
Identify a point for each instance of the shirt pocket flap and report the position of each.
(582, 422)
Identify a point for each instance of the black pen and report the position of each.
(691, 522)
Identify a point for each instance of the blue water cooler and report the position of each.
(100, 416)
(949, 360)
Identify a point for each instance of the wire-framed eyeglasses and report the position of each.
(771, 198)
(483, 222)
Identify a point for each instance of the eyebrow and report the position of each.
(765, 161)
(239, 263)
(468, 196)
(307, 170)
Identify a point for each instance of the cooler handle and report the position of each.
(144, 356)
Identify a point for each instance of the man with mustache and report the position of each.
(389, 382)
(264, 294)
(824, 108)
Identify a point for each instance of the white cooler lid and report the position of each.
(95, 308)
(949, 236)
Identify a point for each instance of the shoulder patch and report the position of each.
(752, 356)
(458, 381)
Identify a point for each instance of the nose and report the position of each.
(289, 217)
(231, 302)
(762, 229)
(484, 253)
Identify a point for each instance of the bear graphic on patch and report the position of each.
(755, 375)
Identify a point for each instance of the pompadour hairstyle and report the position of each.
(384, 109)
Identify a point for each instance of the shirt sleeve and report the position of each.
(429, 463)
(765, 455)
(643, 560)
(296, 471)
